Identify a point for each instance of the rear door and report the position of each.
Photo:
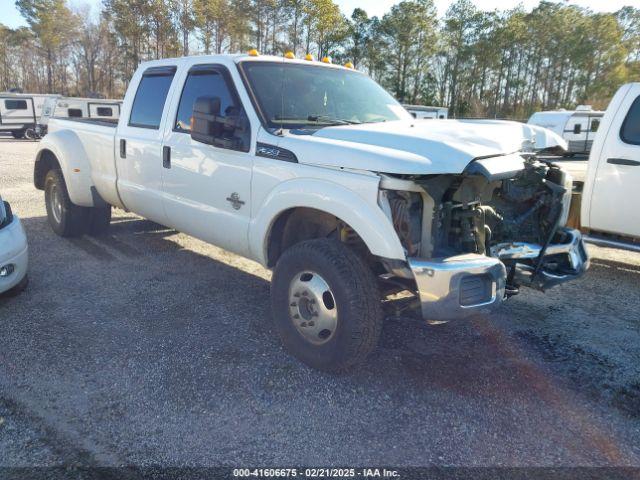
(615, 201)
(138, 144)
(17, 111)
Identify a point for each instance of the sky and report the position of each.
(10, 16)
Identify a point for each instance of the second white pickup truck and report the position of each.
(314, 170)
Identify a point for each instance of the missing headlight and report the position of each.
(406, 211)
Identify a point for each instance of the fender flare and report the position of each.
(74, 163)
(367, 219)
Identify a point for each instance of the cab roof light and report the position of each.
(326, 60)
(349, 65)
(253, 53)
(290, 55)
(309, 58)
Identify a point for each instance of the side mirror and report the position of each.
(203, 123)
(207, 126)
(577, 128)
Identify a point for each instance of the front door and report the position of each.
(615, 201)
(138, 146)
(207, 189)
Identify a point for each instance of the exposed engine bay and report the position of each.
(515, 216)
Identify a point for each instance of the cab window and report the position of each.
(150, 98)
(199, 84)
(630, 132)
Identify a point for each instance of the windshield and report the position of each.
(311, 96)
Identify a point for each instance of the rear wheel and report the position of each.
(66, 218)
(326, 305)
(17, 134)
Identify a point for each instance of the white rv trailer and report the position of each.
(578, 127)
(422, 112)
(21, 113)
(75, 107)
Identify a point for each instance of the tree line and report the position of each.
(504, 63)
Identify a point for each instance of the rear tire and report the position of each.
(66, 218)
(17, 134)
(336, 322)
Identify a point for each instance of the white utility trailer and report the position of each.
(578, 127)
(21, 113)
(75, 107)
(426, 112)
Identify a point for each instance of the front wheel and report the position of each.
(326, 305)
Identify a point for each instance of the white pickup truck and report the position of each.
(610, 209)
(314, 170)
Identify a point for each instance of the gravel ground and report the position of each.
(148, 347)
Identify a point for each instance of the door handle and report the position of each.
(166, 157)
(123, 148)
(623, 161)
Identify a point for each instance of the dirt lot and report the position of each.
(149, 347)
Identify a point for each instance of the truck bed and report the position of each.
(93, 157)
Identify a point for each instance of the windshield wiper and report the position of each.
(330, 120)
(316, 120)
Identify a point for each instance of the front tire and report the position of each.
(326, 305)
(66, 218)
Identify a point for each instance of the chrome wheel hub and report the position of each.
(56, 203)
(312, 307)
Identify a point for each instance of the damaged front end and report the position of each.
(474, 239)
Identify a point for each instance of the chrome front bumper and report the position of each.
(456, 287)
(464, 285)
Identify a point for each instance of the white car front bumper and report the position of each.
(14, 254)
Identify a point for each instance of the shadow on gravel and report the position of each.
(135, 336)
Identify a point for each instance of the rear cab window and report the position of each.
(105, 112)
(630, 131)
(151, 97)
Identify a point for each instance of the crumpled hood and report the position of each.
(417, 146)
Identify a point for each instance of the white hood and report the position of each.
(417, 146)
